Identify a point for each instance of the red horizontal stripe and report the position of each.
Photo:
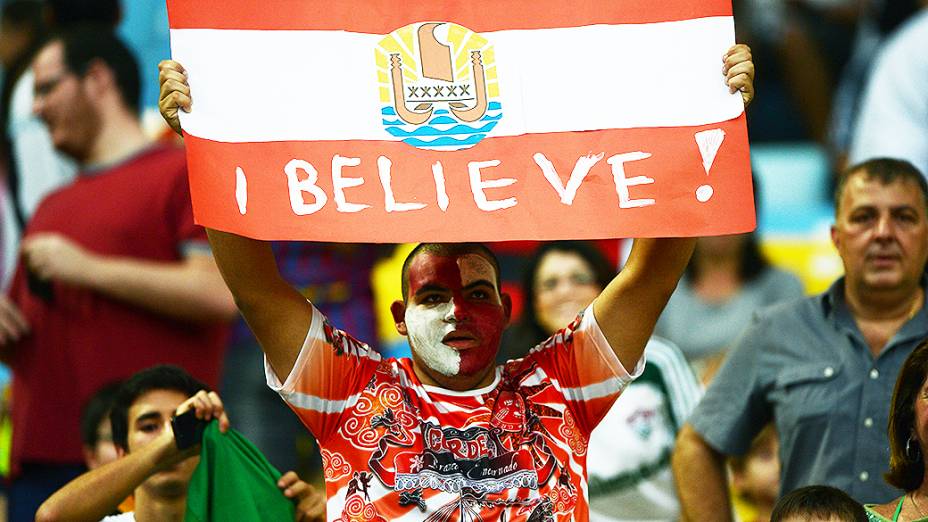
(385, 16)
(675, 166)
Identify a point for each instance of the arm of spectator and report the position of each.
(13, 326)
(278, 315)
(700, 479)
(310, 504)
(98, 492)
(629, 306)
(190, 289)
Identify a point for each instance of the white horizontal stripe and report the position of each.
(605, 388)
(311, 402)
(290, 85)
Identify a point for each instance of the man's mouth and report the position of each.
(460, 340)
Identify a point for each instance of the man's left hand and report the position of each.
(739, 71)
(54, 256)
(310, 504)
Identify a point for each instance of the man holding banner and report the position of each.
(447, 434)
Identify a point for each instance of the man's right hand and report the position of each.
(207, 406)
(175, 92)
(13, 326)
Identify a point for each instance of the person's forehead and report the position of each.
(558, 262)
(861, 190)
(156, 401)
(49, 59)
(464, 269)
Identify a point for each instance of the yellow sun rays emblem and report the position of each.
(438, 85)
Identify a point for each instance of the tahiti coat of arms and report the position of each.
(438, 85)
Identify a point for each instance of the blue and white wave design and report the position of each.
(442, 132)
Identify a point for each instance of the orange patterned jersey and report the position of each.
(396, 449)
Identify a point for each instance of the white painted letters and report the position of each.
(298, 187)
(622, 183)
(478, 185)
(438, 172)
(340, 183)
(581, 169)
(389, 200)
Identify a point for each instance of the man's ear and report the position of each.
(507, 305)
(834, 236)
(99, 77)
(398, 309)
(120, 451)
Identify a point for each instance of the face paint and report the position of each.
(454, 317)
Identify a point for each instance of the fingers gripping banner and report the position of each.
(385, 121)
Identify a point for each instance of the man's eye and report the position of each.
(479, 294)
(431, 299)
(149, 427)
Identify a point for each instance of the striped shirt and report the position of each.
(396, 449)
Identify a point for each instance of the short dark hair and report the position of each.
(66, 13)
(906, 468)
(95, 410)
(529, 329)
(85, 44)
(162, 377)
(886, 171)
(449, 250)
(824, 502)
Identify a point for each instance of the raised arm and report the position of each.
(629, 306)
(278, 315)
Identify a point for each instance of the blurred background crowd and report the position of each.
(838, 82)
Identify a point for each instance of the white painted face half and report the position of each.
(427, 327)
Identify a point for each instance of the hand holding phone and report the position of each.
(188, 429)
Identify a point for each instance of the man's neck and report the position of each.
(148, 508)
(121, 136)
(889, 305)
(454, 383)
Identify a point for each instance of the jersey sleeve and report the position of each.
(330, 371)
(587, 370)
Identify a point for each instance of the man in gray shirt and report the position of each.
(823, 368)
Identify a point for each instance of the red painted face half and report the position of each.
(454, 315)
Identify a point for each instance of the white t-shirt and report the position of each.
(122, 517)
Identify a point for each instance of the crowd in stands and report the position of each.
(126, 327)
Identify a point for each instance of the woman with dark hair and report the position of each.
(726, 280)
(908, 442)
(560, 279)
(629, 452)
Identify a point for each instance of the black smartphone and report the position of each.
(40, 288)
(188, 429)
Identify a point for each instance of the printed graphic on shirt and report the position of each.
(401, 450)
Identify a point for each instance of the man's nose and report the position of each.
(456, 312)
(884, 227)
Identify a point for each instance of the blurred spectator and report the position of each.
(337, 279)
(157, 473)
(877, 19)
(822, 368)
(726, 282)
(806, 44)
(818, 504)
(114, 274)
(908, 442)
(96, 434)
(756, 478)
(34, 168)
(629, 452)
(893, 119)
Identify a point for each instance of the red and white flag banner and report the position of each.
(387, 121)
